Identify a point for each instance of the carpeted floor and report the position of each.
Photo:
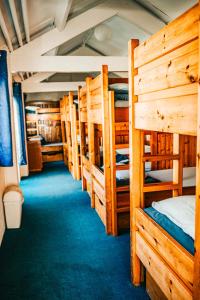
(61, 250)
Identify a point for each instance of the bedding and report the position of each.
(176, 232)
(180, 210)
(189, 176)
(122, 178)
(119, 87)
(53, 144)
(121, 103)
(125, 151)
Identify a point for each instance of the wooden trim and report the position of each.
(113, 163)
(172, 286)
(196, 289)
(135, 165)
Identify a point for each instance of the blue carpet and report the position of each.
(62, 251)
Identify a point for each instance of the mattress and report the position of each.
(125, 151)
(189, 176)
(53, 144)
(122, 178)
(121, 103)
(175, 231)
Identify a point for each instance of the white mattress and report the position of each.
(189, 176)
(180, 210)
(53, 144)
(122, 174)
(123, 151)
(121, 103)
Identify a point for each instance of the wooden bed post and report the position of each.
(68, 130)
(196, 285)
(74, 136)
(178, 148)
(90, 140)
(82, 140)
(113, 163)
(106, 147)
(135, 165)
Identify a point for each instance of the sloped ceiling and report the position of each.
(42, 14)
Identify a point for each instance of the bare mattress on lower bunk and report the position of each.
(179, 223)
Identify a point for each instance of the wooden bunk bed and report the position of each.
(107, 130)
(70, 134)
(45, 123)
(63, 103)
(83, 125)
(163, 79)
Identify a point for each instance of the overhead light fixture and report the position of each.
(102, 33)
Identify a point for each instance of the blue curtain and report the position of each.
(19, 124)
(6, 156)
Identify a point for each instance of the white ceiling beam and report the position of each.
(5, 32)
(25, 19)
(38, 77)
(68, 64)
(15, 21)
(62, 14)
(29, 87)
(74, 27)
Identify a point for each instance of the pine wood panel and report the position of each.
(178, 115)
(172, 286)
(172, 36)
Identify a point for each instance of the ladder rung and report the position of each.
(122, 167)
(160, 157)
(161, 186)
(122, 188)
(121, 146)
(123, 209)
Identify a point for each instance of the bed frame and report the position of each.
(107, 126)
(83, 126)
(70, 132)
(166, 103)
(63, 103)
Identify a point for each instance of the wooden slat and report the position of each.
(99, 191)
(172, 286)
(123, 209)
(95, 116)
(86, 174)
(98, 175)
(161, 186)
(160, 157)
(176, 115)
(175, 71)
(175, 34)
(175, 255)
(121, 146)
(95, 83)
(83, 91)
(100, 209)
(122, 167)
(188, 89)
